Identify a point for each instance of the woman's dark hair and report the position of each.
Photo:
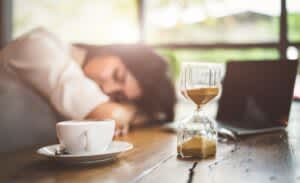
(150, 70)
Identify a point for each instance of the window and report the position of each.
(293, 7)
(224, 55)
(91, 21)
(212, 21)
(217, 30)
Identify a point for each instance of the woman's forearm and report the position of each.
(122, 113)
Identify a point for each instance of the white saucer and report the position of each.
(109, 154)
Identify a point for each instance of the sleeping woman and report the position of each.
(128, 83)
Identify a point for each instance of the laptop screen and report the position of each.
(257, 94)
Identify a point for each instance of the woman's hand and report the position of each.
(121, 113)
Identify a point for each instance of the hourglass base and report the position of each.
(197, 147)
(197, 137)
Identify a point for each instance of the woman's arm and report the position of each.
(123, 114)
(44, 62)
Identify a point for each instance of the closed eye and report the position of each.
(119, 76)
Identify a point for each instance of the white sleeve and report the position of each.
(42, 61)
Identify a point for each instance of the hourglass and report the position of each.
(197, 134)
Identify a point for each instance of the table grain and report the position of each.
(271, 157)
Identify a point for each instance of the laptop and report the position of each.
(256, 96)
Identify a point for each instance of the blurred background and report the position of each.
(183, 30)
(215, 31)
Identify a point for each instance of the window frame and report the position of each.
(281, 45)
(6, 8)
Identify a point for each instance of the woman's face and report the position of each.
(113, 77)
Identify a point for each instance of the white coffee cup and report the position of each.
(85, 137)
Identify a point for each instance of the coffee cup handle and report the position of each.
(86, 140)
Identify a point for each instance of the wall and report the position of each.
(5, 21)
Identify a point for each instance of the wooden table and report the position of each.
(273, 157)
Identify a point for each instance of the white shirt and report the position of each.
(53, 68)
